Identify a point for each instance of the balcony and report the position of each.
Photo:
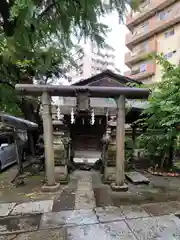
(140, 74)
(141, 53)
(146, 10)
(154, 25)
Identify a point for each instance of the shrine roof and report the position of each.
(107, 73)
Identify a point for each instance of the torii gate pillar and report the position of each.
(50, 185)
(119, 184)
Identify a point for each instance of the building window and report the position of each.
(169, 54)
(137, 32)
(145, 23)
(164, 15)
(145, 26)
(143, 47)
(143, 67)
(135, 49)
(169, 33)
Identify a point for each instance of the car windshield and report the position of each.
(6, 139)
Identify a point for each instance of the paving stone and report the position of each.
(8, 237)
(159, 227)
(133, 211)
(33, 207)
(81, 217)
(18, 224)
(136, 177)
(66, 200)
(68, 218)
(102, 196)
(165, 208)
(84, 198)
(53, 220)
(59, 234)
(109, 214)
(109, 231)
(5, 208)
(59, 206)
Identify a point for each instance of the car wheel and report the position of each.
(0, 166)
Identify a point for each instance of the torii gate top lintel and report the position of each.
(71, 91)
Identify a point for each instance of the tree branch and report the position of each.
(53, 4)
(8, 25)
(46, 80)
(47, 9)
(6, 83)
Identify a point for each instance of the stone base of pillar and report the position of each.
(117, 188)
(61, 174)
(53, 188)
(109, 174)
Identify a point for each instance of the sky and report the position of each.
(116, 38)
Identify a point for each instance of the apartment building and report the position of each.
(102, 59)
(155, 28)
(92, 61)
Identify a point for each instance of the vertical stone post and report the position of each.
(19, 159)
(48, 142)
(120, 142)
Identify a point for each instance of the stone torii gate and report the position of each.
(118, 93)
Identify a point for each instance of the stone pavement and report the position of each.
(75, 216)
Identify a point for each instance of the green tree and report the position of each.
(162, 116)
(37, 39)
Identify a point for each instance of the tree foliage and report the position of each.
(37, 38)
(162, 116)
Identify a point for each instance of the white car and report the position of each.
(8, 154)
